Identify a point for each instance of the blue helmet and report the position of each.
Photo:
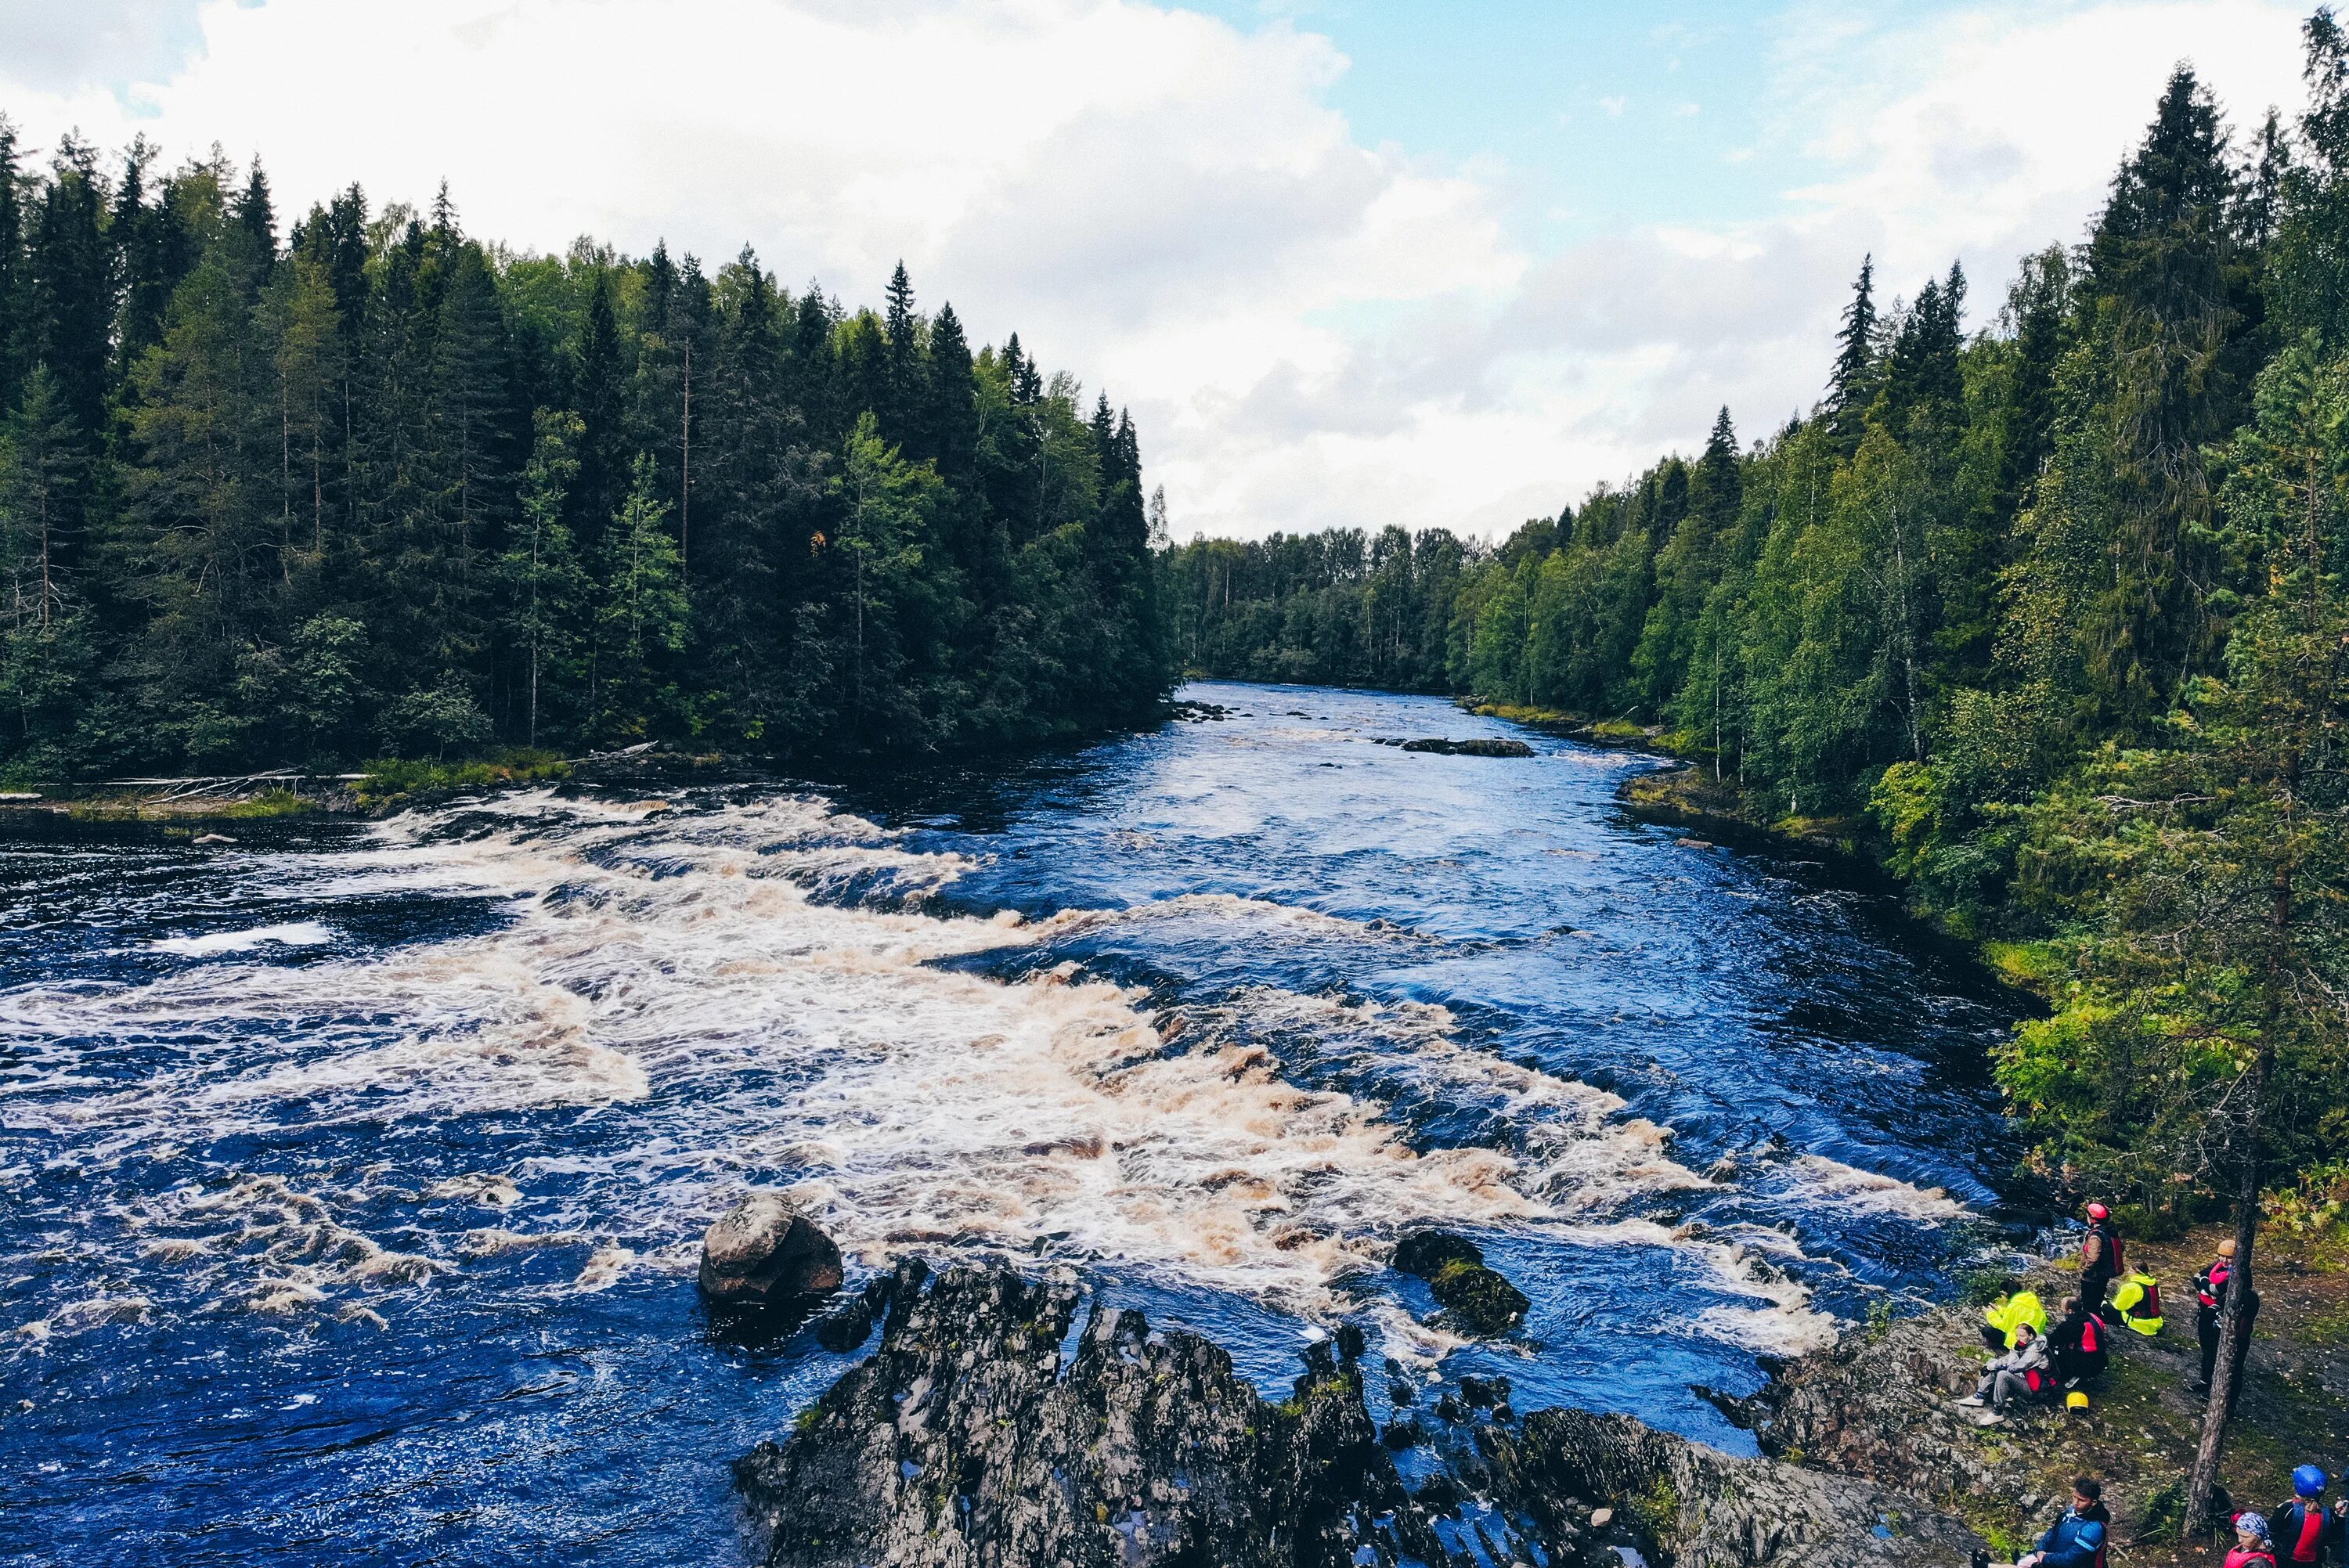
(2307, 1480)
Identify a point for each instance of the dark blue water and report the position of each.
(356, 1173)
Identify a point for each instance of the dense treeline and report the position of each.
(2059, 606)
(384, 488)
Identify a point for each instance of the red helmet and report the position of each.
(2099, 1211)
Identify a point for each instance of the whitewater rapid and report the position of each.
(775, 969)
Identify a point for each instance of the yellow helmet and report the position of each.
(2075, 1400)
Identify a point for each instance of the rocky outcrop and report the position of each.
(1695, 1507)
(1878, 1405)
(1475, 1299)
(961, 1441)
(966, 1440)
(763, 1252)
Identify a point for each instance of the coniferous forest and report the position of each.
(2055, 611)
(370, 486)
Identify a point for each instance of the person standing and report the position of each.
(2305, 1530)
(2100, 1257)
(2211, 1288)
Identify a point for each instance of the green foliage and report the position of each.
(270, 803)
(2060, 608)
(389, 488)
(391, 780)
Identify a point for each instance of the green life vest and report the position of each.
(2138, 1297)
(2009, 1312)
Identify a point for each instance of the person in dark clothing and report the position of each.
(2077, 1540)
(2079, 1346)
(2100, 1257)
(2305, 1530)
(2211, 1288)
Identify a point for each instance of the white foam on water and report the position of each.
(702, 980)
(293, 933)
(1821, 1180)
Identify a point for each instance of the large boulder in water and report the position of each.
(1478, 745)
(1475, 1298)
(764, 1252)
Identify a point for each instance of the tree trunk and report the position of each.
(2233, 1329)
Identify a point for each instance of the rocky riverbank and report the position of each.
(976, 1433)
(1006, 1420)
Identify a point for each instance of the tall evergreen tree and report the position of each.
(1851, 384)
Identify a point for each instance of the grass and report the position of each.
(270, 803)
(1519, 713)
(394, 780)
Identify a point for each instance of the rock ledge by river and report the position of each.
(967, 1439)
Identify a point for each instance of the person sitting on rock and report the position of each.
(2021, 1373)
(2254, 1547)
(2003, 1316)
(2077, 1540)
(2303, 1530)
(2078, 1347)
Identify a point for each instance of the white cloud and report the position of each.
(1311, 331)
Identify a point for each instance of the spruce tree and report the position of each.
(1851, 386)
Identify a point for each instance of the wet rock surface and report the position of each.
(962, 1440)
(967, 1438)
(1475, 746)
(1475, 1299)
(763, 1252)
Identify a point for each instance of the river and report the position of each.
(356, 1171)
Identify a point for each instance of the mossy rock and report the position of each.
(1426, 1254)
(1477, 1299)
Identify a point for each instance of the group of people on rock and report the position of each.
(2301, 1531)
(2304, 1532)
(2034, 1360)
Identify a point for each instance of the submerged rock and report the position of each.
(764, 1252)
(965, 1441)
(1478, 745)
(1475, 1298)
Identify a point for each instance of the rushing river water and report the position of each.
(355, 1174)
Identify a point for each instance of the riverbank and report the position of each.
(1156, 1452)
(1879, 1407)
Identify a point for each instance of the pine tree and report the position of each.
(41, 469)
(546, 586)
(642, 624)
(597, 379)
(904, 397)
(68, 309)
(1851, 386)
(15, 307)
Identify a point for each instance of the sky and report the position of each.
(1350, 262)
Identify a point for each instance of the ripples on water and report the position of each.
(359, 1171)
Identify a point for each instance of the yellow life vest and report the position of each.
(2137, 1298)
(2009, 1312)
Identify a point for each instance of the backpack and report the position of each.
(2138, 1301)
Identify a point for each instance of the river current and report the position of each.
(355, 1174)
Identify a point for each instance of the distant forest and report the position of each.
(2055, 611)
(377, 487)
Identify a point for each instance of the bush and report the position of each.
(391, 780)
